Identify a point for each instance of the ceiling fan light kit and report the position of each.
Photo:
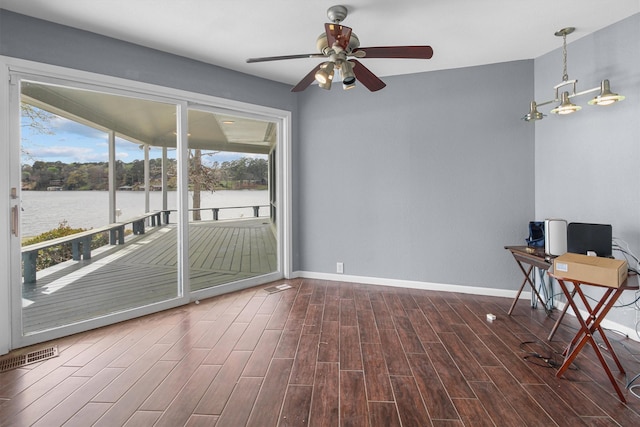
(325, 74)
(348, 77)
(565, 106)
(336, 45)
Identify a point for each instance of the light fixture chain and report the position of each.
(565, 75)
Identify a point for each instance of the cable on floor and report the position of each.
(545, 361)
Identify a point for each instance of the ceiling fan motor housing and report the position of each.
(337, 13)
(322, 44)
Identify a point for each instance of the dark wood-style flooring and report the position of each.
(323, 354)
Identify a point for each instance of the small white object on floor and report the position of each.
(278, 288)
(491, 317)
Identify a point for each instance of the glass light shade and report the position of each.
(566, 107)
(606, 97)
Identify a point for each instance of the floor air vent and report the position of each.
(19, 360)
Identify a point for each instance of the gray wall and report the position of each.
(41, 41)
(402, 184)
(37, 40)
(426, 180)
(586, 164)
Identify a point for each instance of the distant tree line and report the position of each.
(244, 172)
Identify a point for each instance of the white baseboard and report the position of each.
(430, 286)
(475, 290)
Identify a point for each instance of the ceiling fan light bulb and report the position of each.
(322, 77)
(326, 85)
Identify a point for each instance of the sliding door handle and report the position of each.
(15, 220)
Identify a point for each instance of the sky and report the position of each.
(71, 142)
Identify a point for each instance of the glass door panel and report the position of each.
(231, 235)
(95, 195)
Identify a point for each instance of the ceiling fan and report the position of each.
(337, 44)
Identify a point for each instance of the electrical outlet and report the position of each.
(340, 268)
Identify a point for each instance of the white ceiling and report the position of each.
(227, 32)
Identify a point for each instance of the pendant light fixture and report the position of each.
(565, 106)
(533, 113)
(606, 97)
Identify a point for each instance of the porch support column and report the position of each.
(165, 180)
(147, 181)
(112, 177)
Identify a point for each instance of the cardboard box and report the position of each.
(590, 269)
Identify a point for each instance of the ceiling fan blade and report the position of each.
(366, 77)
(407, 52)
(338, 34)
(307, 80)
(278, 58)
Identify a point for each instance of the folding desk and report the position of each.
(538, 259)
(592, 322)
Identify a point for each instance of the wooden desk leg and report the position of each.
(570, 352)
(527, 275)
(524, 282)
(585, 334)
(564, 311)
(600, 310)
(611, 352)
(598, 316)
(593, 312)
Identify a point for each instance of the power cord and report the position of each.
(632, 388)
(623, 247)
(539, 359)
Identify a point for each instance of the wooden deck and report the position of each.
(144, 271)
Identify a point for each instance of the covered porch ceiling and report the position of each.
(150, 122)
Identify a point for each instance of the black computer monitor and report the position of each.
(583, 237)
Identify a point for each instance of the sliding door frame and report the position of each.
(10, 328)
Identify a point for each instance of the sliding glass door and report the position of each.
(124, 203)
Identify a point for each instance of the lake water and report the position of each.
(45, 210)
